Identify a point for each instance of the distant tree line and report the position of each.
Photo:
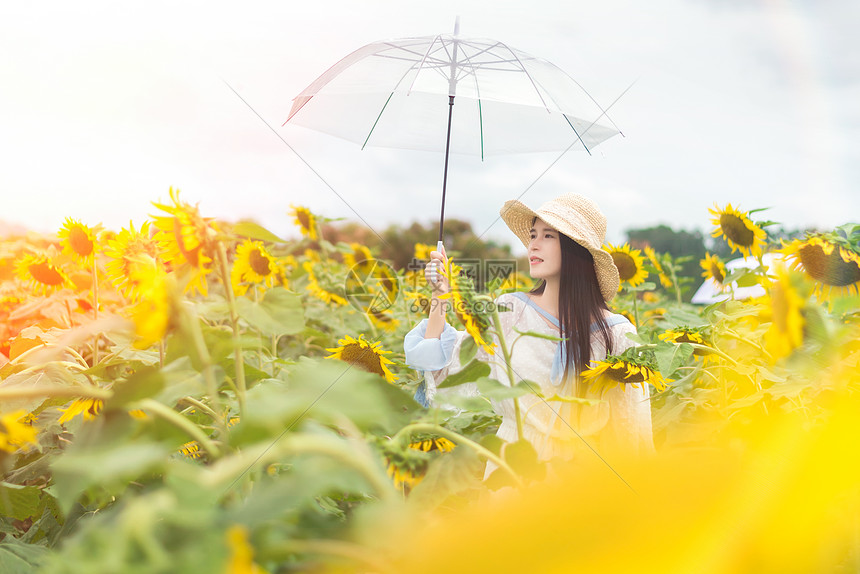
(396, 243)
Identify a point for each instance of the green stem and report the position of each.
(335, 448)
(206, 360)
(201, 406)
(675, 283)
(32, 351)
(275, 356)
(238, 357)
(635, 309)
(497, 326)
(408, 430)
(179, 422)
(55, 391)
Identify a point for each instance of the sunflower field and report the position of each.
(194, 395)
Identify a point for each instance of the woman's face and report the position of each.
(544, 251)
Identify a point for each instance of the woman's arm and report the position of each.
(438, 307)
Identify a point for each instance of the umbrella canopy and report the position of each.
(709, 292)
(394, 93)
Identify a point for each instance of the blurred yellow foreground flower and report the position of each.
(14, 434)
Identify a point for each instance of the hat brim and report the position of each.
(518, 217)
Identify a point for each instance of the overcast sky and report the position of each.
(104, 106)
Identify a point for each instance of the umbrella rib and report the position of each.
(474, 73)
(607, 109)
(377, 121)
(529, 76)
(421, 64)
(577, 133)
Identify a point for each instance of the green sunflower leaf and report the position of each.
(493, 389)
(468, 350)
(251, 230)
(671, 357)
(538, 335)
(470, 373)
(522, 457)
(279, 313)
(19, 502)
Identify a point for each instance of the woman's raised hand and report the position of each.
(433, 272)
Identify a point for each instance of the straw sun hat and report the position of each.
(577, 217)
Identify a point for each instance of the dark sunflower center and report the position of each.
(734, 228)
(828, 269)
(626, 265)
(94, 408)
(363, 357)
(45, 274)
(80, 242)
(259, 263)
(717, 273)
(618, 372)
(304, 219)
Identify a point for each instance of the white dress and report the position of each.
(620, 423)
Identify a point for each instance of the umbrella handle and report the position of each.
(436, 270)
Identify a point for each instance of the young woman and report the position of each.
(577, 277)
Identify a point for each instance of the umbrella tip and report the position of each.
(457, 26)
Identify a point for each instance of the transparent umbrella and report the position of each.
(401, 93)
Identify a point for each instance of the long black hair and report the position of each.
(580, 305)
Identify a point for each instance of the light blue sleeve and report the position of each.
(429, 354)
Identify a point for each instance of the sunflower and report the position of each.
(682, 335)
(652, 256)
(614, 371)
(253, 264)
(90, 408)
(459, 296)
(306, 221)
(360, 255)
(16, 432)
(384, 321)
(78, 240)
(832, 266)
(314, 287)
(715, 269)
(41, 273)
(405, 476)
(786, 308)
(517, 281)
(420, 302)
(241, 559)
(188, 239)
(630, 264)
(127, 249)
(191, 449)
(365, 355)
(738, 230)
(422, 251)
(152, 312)
(693, 335)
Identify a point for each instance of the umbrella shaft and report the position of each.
(445, 174)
